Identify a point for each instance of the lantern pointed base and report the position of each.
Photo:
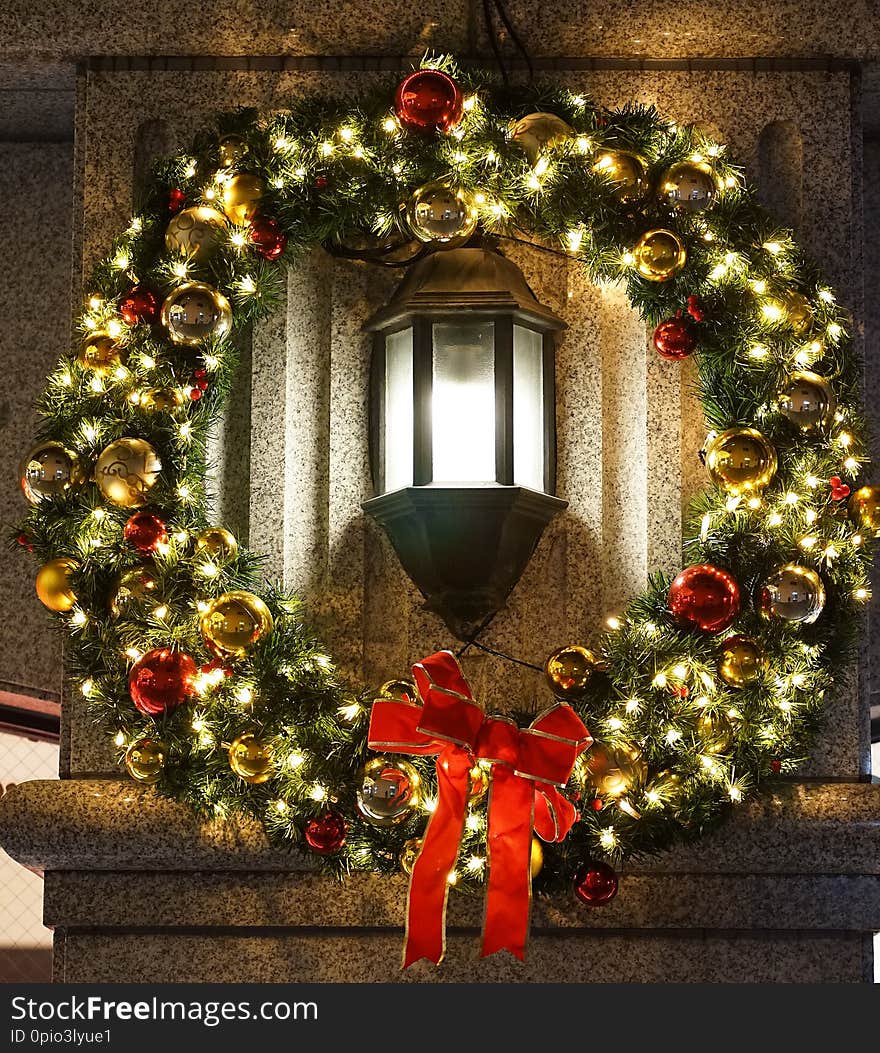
(464, 547)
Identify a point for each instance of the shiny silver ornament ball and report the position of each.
(49, 470)
(688, 186)
(439, 212)
(195, 312)
(807, 400)
(389, 792)
(792, 593)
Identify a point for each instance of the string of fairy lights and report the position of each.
(210, 682)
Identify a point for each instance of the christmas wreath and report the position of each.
(210, 681)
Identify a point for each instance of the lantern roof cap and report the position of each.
(465, 279)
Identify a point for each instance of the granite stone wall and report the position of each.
(35, 269)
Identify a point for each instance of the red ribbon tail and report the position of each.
(509, 893)
(428, 885)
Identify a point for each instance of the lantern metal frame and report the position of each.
(464, 545)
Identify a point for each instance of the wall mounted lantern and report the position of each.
(463, 429)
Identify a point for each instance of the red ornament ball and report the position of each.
(139, 305)
(162, 680)
(704, 597)
(145, 532)
(428, 100)
(176, 200)
(268, 238)
(674, 340)
(595, 884)
(325, 834)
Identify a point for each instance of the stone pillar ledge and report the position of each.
(110, 825)
(273, 902)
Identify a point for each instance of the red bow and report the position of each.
(527, 767)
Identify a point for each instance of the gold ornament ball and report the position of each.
(389, 792)
(626, 172)
(714, 731)
(793, 593)
(126, 472)
(195, 233)
(241, 197)
(864, 509)
(613, 770)
(251, 759)
(536, 858)
(49, 470)
(409, 854)
(133, 589)
(741, 661)
(100, 353)
(570, 670)
(439, 212)
(659, 255)
(807, 400)
(231, 148)
(232, 624)
(195, 312)
(402, 689)
(538, 132)
(688, 186)
(144, 760)
(216, 543)
(53, 584)
(161, 400)
(741, 460)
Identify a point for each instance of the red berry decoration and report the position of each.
(321, 182)
(428, 101)
(176, 200)
(139, 305)
(695, 309)
(195, 394)
(268, 238)
(25, 541)
(595, 884)
(704, 597)
(162, 680)
(776, 766)
(839, 490)
(145, 532)
(597, 804)
(325, 834)
(673, 339)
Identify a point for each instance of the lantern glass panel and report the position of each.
(528, 408)
(463, 402)
(398, 438)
